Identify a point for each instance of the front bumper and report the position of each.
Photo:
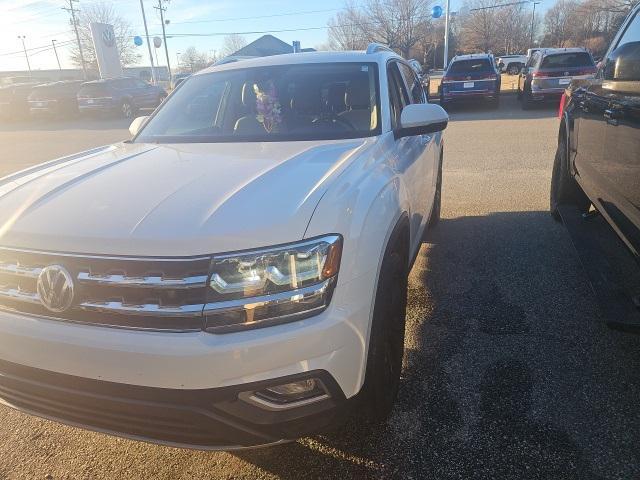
(470, 95)
(207, 419)
(190, 368)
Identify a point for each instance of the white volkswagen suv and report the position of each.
(236, 274)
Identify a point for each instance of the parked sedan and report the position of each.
(53, 99)
(471, 77)
(14, 100)
(550, 71)
(598, 156)
(123, 96)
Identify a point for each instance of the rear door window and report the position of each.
(470, 66)
(413, 83)
(567, 60)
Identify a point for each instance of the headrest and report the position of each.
(304, 102)
(336, 96)
(248, 95)
(357, 93)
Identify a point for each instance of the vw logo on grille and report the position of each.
(55, 288)
(108, 38)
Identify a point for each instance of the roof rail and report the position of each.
(377, 47)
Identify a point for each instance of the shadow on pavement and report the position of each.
(507, 369)
(510, 108)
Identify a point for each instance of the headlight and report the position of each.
(264, 287)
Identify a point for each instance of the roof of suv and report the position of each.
(308, 57)
(551, 51)
(472, 56)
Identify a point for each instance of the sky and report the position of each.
(42, 21)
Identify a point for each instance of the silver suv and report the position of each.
(549, 72)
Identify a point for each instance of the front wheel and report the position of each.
(527, 101)
(564, 188)
(386, 344)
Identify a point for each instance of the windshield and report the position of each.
(567, 60)
(280, 103)
(470, 66)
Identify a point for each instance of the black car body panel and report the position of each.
(602, 118)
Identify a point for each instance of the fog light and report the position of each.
(288, 395)
(295, 389)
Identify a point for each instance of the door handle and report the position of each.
(610, 115)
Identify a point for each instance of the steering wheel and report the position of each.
(335, 119)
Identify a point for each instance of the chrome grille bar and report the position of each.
(12, 293)
(19, 270)
(198, 281)
(147, 309)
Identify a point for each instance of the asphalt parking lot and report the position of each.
(510, 371)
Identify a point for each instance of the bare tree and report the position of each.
(193, 60)
(103, 12)
(348, 29)
(232, 43)
(559, 22)
(492, 27)
(400, 24)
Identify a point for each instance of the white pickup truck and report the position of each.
(236, 274)
(511, 64)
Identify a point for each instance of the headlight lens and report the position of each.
(263, 287)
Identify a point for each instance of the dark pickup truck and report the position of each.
(598, 158)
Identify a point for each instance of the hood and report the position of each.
(171, 200)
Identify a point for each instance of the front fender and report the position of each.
(363, 205)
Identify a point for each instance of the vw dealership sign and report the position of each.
(104, 42)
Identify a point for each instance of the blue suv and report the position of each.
(124, 96)
(471, 77)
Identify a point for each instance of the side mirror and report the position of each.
(422, 118)
(137, 124)
(623, 65)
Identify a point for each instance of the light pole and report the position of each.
(533, 18)
(161, 9)
(53, 42)
(22, 37)
(146, 31)
(74, 21)
(178, 60)
(446, 35)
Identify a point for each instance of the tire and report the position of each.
(564, 188)
(127, 110)
(527, 103)
(386, 344)
(434, 219)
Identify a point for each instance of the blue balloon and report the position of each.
(137, 40)
(436, 11)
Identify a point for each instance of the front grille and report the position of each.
(155, 293)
